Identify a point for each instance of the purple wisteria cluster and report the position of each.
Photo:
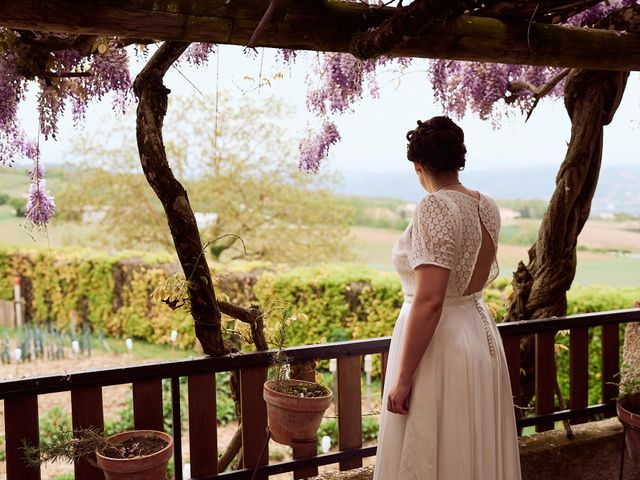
(462, 87)
(69, 78)
(198, 53)
(590, 17)
(316, 146)
(41, 206)
(13, 141)
(486, 90)
(340, 82)
(341, 79)
(479, 87)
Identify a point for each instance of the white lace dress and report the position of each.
(461, 422)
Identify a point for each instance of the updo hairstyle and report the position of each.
(437, 145)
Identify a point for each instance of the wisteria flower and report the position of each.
(315, 147)
(41, 206)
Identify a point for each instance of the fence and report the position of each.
(21, 397)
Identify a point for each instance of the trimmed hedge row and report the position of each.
(111, 292)
(340, 302)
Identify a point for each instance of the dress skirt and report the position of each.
(461, 422)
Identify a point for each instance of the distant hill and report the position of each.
(617, 191)
(617, 188)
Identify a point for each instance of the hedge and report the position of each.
(340, 301)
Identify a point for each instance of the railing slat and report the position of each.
(254, 418)
(545, 377)
(610, 361)
(349, 409)
(203, 434)
(21, 424)
(21, 395)
(147, 405)
(306, 371)
(176, 416)
(86, 411)
(512, 353)
(579, 370)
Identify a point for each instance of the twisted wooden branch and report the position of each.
(152, 107)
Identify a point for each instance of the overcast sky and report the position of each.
(373, 136)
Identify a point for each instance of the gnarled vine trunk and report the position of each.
(206, 310)
(539, 288)
(152, 108)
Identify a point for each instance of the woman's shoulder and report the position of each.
(436, 201)
(436, 208)
(489, 201)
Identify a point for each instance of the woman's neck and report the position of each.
(442, 180)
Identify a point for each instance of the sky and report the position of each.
(373, 135)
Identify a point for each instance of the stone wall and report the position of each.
(593, 454)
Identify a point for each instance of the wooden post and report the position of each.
(203, 438)
(86, 411)
(147, 405)
(21, 425)
(545, 377)
(349, 409)
(610, 361)
(579, 370)
(254, 418)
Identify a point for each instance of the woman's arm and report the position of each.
(424, 315)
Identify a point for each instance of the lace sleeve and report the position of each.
(433, 234)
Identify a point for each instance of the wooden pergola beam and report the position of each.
(326, 26)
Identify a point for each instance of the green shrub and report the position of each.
(225, 407)
(339, 301)
(53, 421)
(329, 427)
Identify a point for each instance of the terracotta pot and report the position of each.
(629, 416)
(149, 467)
(294, 420)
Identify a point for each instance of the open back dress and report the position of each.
(461, 422)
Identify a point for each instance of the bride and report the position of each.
(447, 404)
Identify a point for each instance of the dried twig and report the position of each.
(231, 451)
(515, 87)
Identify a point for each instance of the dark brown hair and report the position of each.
(437, 145)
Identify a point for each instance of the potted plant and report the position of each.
(628, 410)
(132, 455)
(294, 407)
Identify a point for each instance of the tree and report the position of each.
(239, 167)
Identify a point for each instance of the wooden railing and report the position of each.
(21, 397)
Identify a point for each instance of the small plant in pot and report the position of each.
(294, 407)
(628, 409)
(133, 455)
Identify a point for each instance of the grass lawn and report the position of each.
(14, 232)
(116, 346)
(373, 247)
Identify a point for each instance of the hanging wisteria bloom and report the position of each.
(341, 79)
(198, 53)
(41, 206)
(316, 146)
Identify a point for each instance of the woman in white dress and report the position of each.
(447, 405)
